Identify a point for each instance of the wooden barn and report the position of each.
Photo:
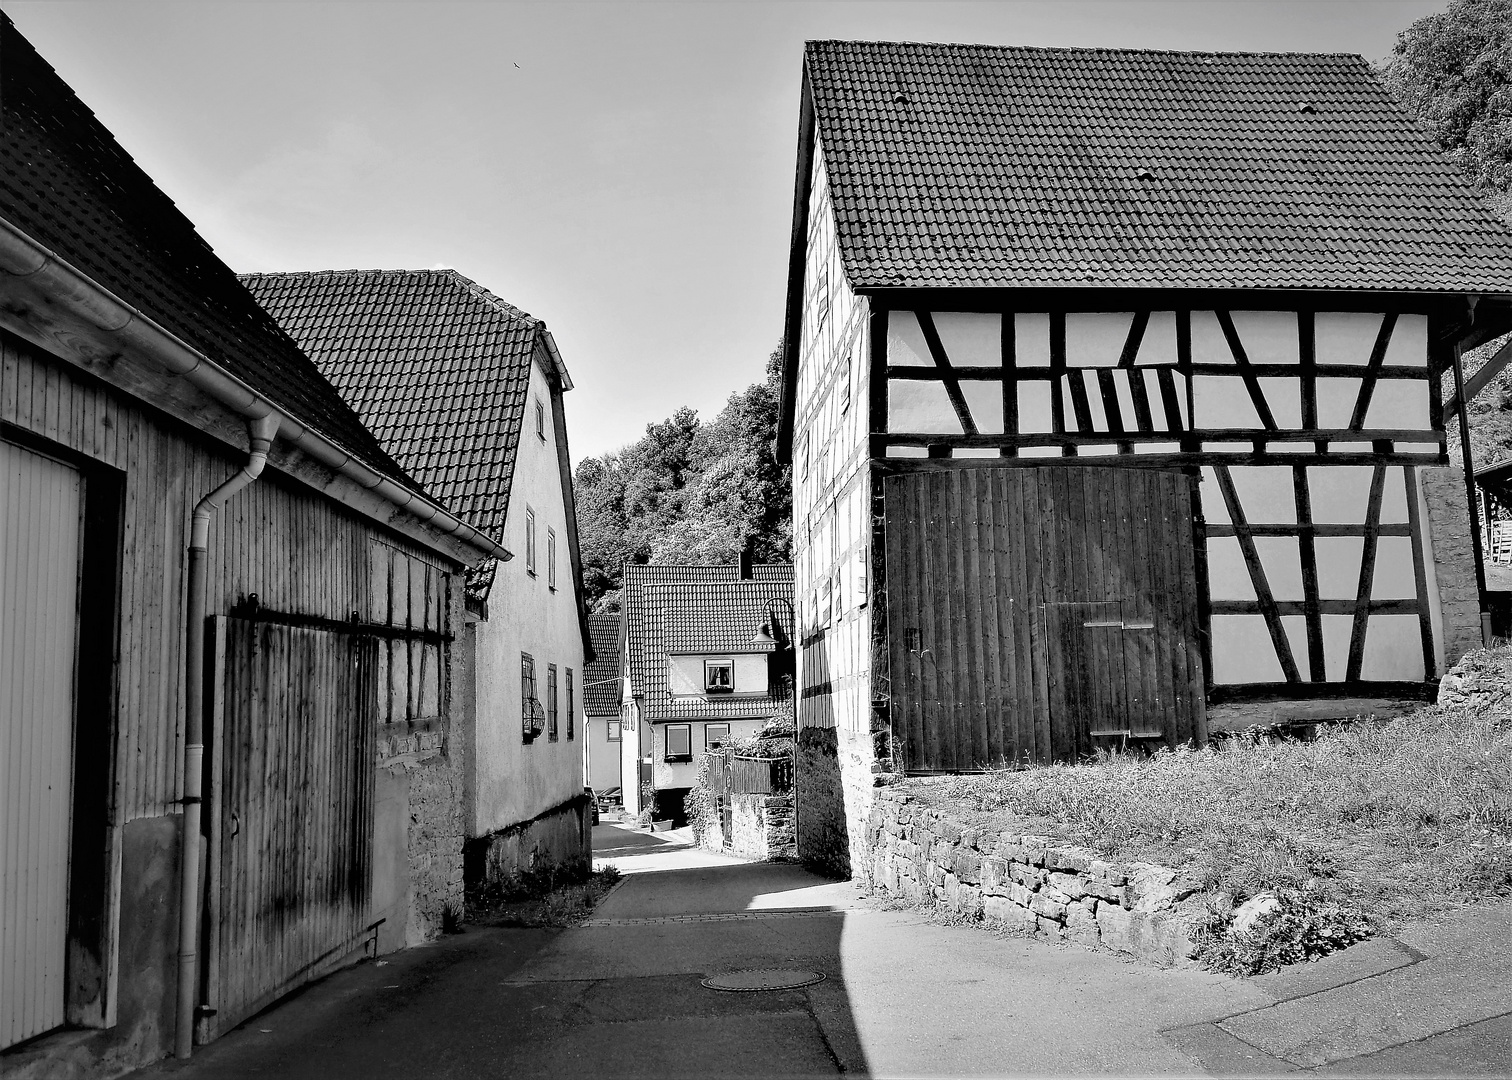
(1114, 391)
(227, 626)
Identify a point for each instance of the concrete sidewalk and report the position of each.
(1434, 1001)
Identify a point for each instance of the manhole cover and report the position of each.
(763, 979)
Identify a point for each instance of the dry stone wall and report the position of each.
(1031, 883)
(761, 827)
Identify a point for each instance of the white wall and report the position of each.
(682, 774)
(601, 755)
(515, 780)
(685, 674)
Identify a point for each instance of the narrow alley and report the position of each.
(622, 995)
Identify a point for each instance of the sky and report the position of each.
(621, 170)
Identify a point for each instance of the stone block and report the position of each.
(1032, 876)
(1116, 894)
(1050, 892)
(1073, 859)
(995, 879)
(969, 900)
(1046, 908)
(1081, 925)
(1108, 872)
(1050, 928)
(1073, 885)
(1020, 894)
(949, 831)
(967, 865)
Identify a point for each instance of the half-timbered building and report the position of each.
(1114, 392)
(466, 392)
(228, 682)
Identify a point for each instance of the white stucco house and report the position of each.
(465, 391)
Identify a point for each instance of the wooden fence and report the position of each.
(735, 774)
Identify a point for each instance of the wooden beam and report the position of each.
(1258, 579)
(1210, 435)
(942, 361)
(1372, 371)
(1057, 369)
(1420, 574)
(1308, 553)
(1008, 344)
(1324, 607)
(1243, 692)
(876, 333)
(1176, 460)
(1081, 407)
(1398, 528)
(1131, 343)
(1246, 372)
(1482, 378)
(1367, 574)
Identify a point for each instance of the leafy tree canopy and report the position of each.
(687, 492)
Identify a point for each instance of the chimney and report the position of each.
(745, 565)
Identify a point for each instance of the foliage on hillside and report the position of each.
(687, 492)
(1452, 71)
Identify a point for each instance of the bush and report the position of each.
(1299, 929)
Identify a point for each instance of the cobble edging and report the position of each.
(1031, 883)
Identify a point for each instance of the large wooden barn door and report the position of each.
(1034, 613)
(40, 504)
(291, 840)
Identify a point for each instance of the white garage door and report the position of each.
(40, 502)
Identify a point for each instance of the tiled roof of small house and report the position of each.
(436, 365)
(686, 609)
(990, 166)
(66, 183)
(602, 684)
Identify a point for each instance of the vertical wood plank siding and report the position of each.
(1030, 609)
(295, 549)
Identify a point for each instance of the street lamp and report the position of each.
(770, 632)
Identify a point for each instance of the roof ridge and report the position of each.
(1079, 49)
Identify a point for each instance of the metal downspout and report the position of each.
(261, 433)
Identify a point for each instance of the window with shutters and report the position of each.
(551, 702)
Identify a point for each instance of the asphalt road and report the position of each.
(622, 996)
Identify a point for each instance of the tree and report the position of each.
(687, 492)
(1453, 73)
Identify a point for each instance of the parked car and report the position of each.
(593, 804)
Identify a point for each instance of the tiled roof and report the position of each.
(437, 366)
(977, 165)
(602, 685)
(682, 609)
(66, 183)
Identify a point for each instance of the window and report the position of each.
(529, 541)
(571, 707)
(714, 734)
(528, 695)
(551, 558)
(679, 742)
(612, 730)
(719, 676)
(551, 702)
(540, 411)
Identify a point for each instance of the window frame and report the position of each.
(551, 582)
(708, 745)
(551, 703)
(540, 416)
(712, 664)
(527, 695)
(571, 703)
(614, 729)
(686, 731)
(530, 541)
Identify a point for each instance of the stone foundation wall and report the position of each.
(435, 845)
(1031, 883)
(761, 827)
(1453, 560)
(558, 841)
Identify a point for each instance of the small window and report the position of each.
(719, 676)
(715, 734)
(551, 702)
(528, 695)
(612, 730)
(540, 413)
(679, 742)
(551, 558)
(530, 562)
(571, 706)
